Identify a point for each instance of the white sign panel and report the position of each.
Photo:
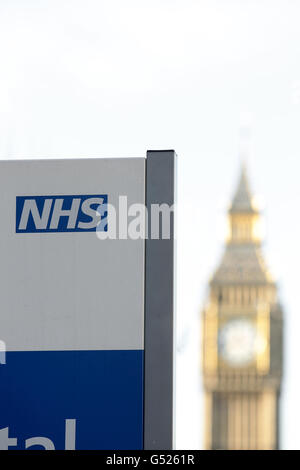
(72, 306)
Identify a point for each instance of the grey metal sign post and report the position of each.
(159, 308)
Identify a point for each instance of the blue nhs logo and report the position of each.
(79, 213)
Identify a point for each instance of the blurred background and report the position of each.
(213, 79)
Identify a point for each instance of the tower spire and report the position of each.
(243, 215)
(243, 200)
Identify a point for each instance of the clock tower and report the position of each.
(242, 339)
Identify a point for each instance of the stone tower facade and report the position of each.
(242, 339)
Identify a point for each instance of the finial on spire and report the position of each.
(245, 137)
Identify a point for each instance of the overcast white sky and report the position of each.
(113, 78)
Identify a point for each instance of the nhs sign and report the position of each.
(71, 213)
(72, 306)
(86, 321)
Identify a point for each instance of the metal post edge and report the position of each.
(159, 337)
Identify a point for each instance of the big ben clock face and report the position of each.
(240, 342)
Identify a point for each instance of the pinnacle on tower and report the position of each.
(242, 201)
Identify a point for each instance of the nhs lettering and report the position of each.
(71, 213)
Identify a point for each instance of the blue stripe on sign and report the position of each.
(102, 390)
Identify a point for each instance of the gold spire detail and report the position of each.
(243, 215)
(243, 260)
